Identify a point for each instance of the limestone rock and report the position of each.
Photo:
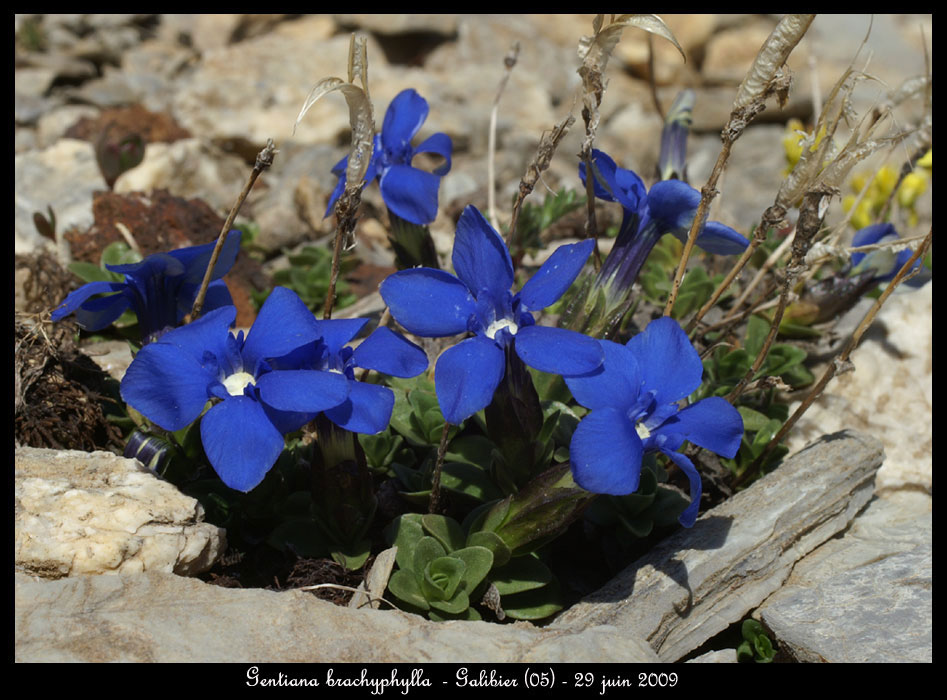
(400, 23)
(142, 618)
(63, 176)
(699, 581)
(254, 90)
(891, 392)
(92, 513)
(865, 597)
(188, 168)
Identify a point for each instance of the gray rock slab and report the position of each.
(165, 618)
(63, 177)
(864, 597)
(94, 512)
(699, 581)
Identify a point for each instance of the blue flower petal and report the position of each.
(718, 239)
(159, 264)
(606, 453)
(466, 377)
(391, 353)
(711, 423)
(689, 515)
(410, 193)
(217, 297)
(873, 234)
(558, 350)
(556, 275)
(99, 313)
(337, 332)
(442, 146)
(629, 189)
(196, 258)
(672, 204)
(604, 184)
(480, 257)
(208, 333)
(429, 303)
(167, 385)
(240, 442)
(404, 117)
(669, 364)
(339, 170)
(287, 421)
(74, 300)
(283, 324)
(615, 384)
(367, 409)
(302, 391)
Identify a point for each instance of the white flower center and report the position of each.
(500, 324)
(642, 431)
(236, 383)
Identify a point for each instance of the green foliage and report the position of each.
(444, 569)
(624, 519)
(308, 275)
(756, 646)
(436, 573)
(534, 219)
(725, 368)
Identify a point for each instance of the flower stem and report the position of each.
(839, 361)
(707, 193)
(509, 61)
(264, 160)
(811, 214)
(435, 505)
(345, 210)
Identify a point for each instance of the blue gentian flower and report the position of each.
(434, 303)
(669, 207)
(160, 290)
(367, 409)
(408, 192)
(257, 398)
(634, 401)
(885, 262)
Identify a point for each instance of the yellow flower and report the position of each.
(912, 187)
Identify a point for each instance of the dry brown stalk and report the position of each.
(264, 160)
(841, 361)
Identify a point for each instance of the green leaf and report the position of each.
(442, 577)
(445, 530)
(470, 449)
(470, 615)
(752, 420)
(479, 561)
(491, 541)
(456, 605)
(425, 551)
(535, 604)
(405, 532)
(469, 480)
(405, 587)
(88, 272)
(734, 364)
(757, 329)
(520, 574)
(781, 359)
(354, 556)
(119, 253)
